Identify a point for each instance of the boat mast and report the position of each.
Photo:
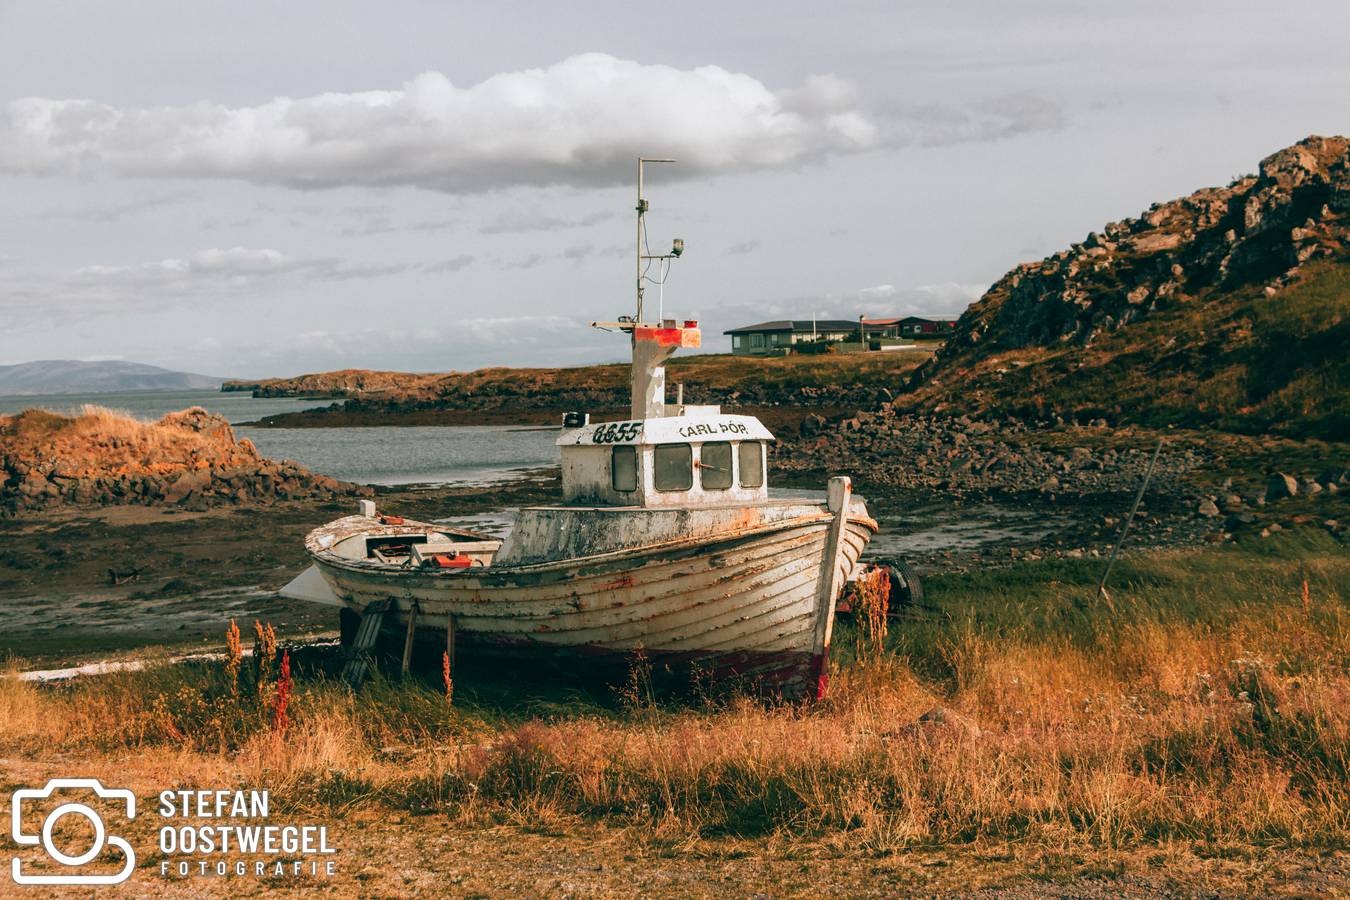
(652, 343)
(642, 211)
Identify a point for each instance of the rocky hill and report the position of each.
(102, 458)
(834, 383)
(340, 383)
(1226, 308)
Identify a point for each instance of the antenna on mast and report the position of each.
(653, 343)
(675, 250)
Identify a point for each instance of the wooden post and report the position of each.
(408, 641)
(450, 640)
(840, 493)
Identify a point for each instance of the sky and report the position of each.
(263, 189)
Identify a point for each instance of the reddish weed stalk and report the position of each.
(445, 676)
(280, 718)
(872, 601)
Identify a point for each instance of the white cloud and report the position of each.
(524, 262)
(1004, 116)
(233, 264)
(35, 302)
(115, 212)
(512, 221)
(453, 264)
(937, 299)
(579, 121)
(433, 346)
(577, 252)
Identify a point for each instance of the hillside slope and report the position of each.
(1226, 308)
(835, 382)
(74, 376)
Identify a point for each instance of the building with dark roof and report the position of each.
(780, 335)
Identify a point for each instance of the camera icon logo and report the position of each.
(101, 836)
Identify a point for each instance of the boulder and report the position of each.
(943, 721)
(190, 481)
(1280, 486)
(1208, 508)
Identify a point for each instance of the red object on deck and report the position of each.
(448, 561)
(691, 323)
(689, 336)
(391, 520)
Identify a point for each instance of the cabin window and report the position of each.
(714, 466)
(623, 468)
(736, 342)
(756, 340)
(752, 463)
(673, 467)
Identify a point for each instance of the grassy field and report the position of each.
(1204, 714)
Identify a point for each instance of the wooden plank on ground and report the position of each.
(357, 665)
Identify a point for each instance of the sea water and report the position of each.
(376, 455)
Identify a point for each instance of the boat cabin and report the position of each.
(695, 457)
(688, 457)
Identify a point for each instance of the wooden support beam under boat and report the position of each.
(408, 639)
(449, 644)
(839, 496)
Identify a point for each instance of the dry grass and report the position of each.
(1214, 709)
(104, 441)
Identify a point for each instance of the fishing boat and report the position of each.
(664, 545)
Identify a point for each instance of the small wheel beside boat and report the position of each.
(906, 586)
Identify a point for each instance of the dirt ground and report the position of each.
(181, 575)
(382, 853)
(388, 854)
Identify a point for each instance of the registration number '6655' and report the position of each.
(615, 432)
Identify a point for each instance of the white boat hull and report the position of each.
(742, 602)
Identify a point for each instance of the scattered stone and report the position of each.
(943, 722)
(1208, 509)
(1281, 486)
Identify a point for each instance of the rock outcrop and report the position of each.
(959, 455)
(1261, 228)
(100, 458)
(341, 383)
(1226, 308)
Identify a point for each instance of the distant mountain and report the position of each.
(73, 376)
